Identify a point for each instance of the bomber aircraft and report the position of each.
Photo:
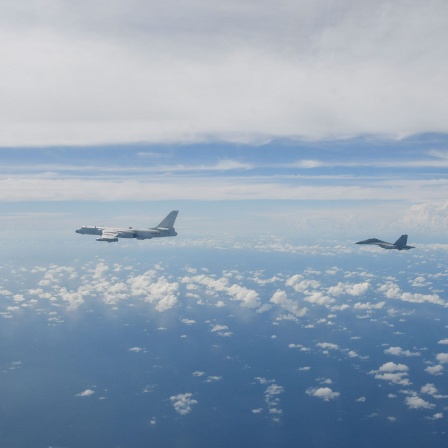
(111, 234)
(400, 244)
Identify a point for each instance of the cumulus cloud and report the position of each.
(435, 370)
(86, 393)
(393, 291)
(398, 351)
(327, 345)
(222, 330)
(368, 305)
(281, 299)
(393, 373)
(392, 367)
(183, 403)
(352, 289)
(248, 298)
(135, 349)
(436, 416)
(415, 402)
(428, 216)
(324, 393)
(156, 290)
(442, 358)
(431, 389)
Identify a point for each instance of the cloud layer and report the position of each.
(115, 71)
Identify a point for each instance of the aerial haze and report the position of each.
(284, 132)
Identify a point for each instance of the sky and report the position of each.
(130, 71)
(324, 118)
(283, 132)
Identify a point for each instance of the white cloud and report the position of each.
(443, 341)
(435, 370)
(392, 367)
(188, 321)
(327, 345)
(442, 358)
(352, 289)
(368, 305)
(280, 298)
(213, 378)
(301, 285)
(86, 393)
(324, 393)
(136, 349)
(248, 298)
(393, 291)
(158, 291)
(429, 389)
(427, 217)
(398, 351)
(221, 330)
(415, 402)
(157, 72)
(183, 403)
(393, 373)
(436, 416)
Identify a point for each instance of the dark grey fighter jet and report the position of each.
(111, 234)
(400, 244)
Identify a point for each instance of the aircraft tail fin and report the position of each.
(402, 241)
(168, 222)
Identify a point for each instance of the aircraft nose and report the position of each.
(78, 231)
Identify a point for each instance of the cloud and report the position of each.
(157, 72)
(368, 306)
(442, 357)
(183, 403)
(398, 351)
(428, 216)
(352, 289)
(430, 389)
(86, 393)
(416, 402)
(435, 370)
(158, 291)
(392, 367)
(327, 345)
(280, 298)
(213, 378)
(221, 330)
(393, 291)
(436, 416)
(324, 393)
(248, 298)
(135, 349)
(393, 373)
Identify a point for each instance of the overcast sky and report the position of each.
(107, 71)
(252, 116)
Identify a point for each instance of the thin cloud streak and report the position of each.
(212, 189)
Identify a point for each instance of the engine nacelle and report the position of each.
(109, 240)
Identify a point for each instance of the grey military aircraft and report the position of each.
(111, 234)
(400, 244)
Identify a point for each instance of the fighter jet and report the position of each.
(111, 234)
(400, 244)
